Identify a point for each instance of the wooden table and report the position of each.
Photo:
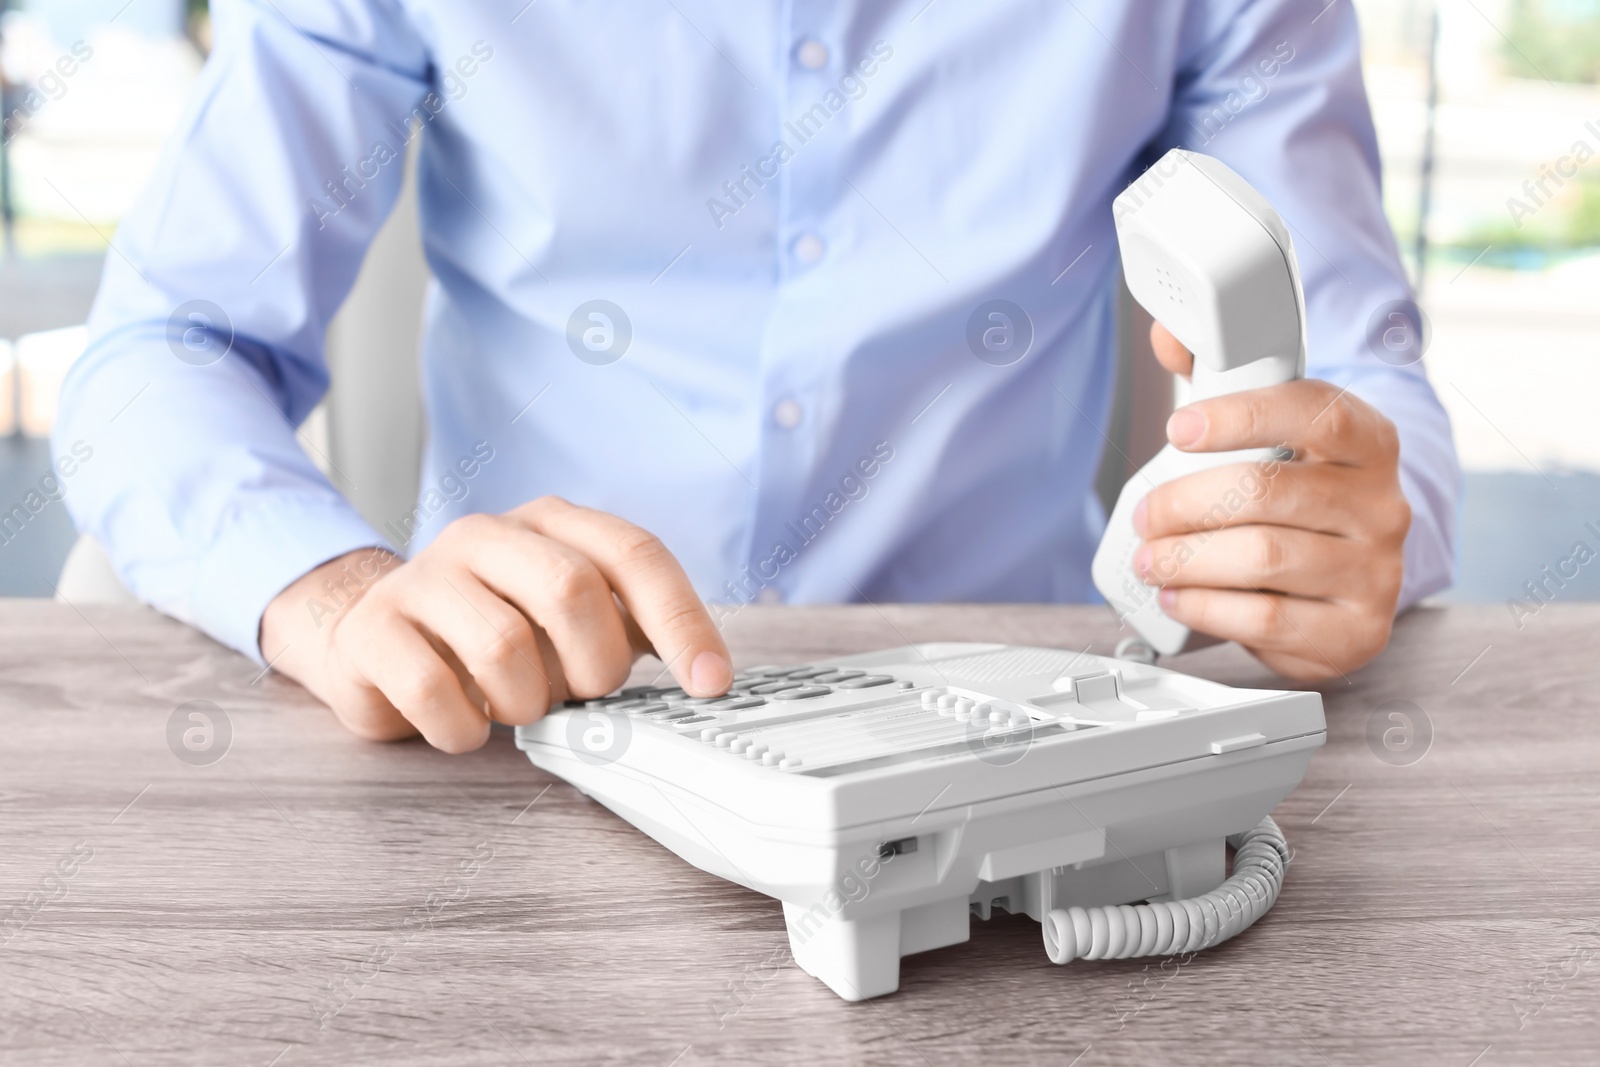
(306, 899)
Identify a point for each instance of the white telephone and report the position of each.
(1210, 259)
(887, 798)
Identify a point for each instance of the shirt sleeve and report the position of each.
(1273, 88)
(206, 339)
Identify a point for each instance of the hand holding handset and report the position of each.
(1211, 261)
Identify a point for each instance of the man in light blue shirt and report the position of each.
(722, 272)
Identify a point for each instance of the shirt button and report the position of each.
(812, 54)
(787, 413)
(809, 248)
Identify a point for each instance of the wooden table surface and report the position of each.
(302, 899)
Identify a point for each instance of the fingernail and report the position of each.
(1185, 427)
(1141, 561)
(1139, 516)
(710, 674)
(1169, 598)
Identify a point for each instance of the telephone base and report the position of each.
(860, 958)
(886, 797)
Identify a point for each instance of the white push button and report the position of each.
(812, 54)
(787, 413)
(809, 248)
(1237, 744)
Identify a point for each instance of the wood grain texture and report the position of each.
(303, 900)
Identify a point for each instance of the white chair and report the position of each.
(87, 577)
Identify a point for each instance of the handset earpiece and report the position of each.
(1211, 261)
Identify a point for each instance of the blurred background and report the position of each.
(1488, 114)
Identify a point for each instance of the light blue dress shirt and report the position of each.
(739, 258)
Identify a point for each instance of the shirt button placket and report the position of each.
(802, 236)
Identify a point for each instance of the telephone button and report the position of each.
(868, 682)
(737, 703)
(805, 692)
(1237, 744)
(772, 687)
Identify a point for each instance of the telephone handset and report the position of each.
(1211, 260)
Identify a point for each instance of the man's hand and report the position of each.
(500, 618)
(1301, 564)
